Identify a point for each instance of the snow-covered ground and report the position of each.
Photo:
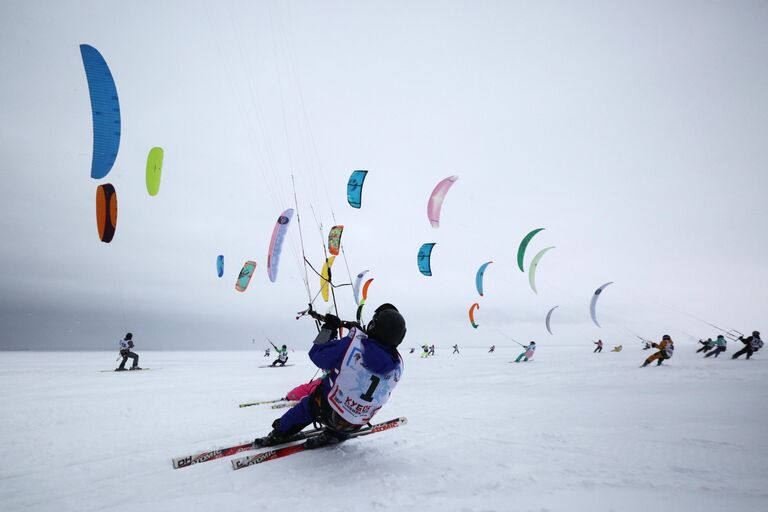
(570, 430)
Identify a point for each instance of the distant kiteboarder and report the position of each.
(266, 352)
(424, 351)
(527, 353)
(599, 347)
(493, 347)
(456, 349)
(431, 350)
(666, 349)
(706, 345)
(282, 355)
(720, 345)
(126, 344)
(751, 345)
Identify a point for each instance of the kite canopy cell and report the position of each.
(220, 265)
(424, 259)
(549, 317)
(479, 277)
(435, 204)
(325, 277)
(154, 170)
(244, 278)
(106, 211)
(334, 239)
(355, 188)
(365, 289)
(472, 314)
(276, 243)
(593, 302)
(523, 246)
(356, 288)
(534, 266)
(105, 111)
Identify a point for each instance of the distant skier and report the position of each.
(617, 348)
(527, 353)
(431, 350)
(599, 347)
(706, 345)
(364, 368)
(719, 346)
(751, 345)
(424, 351)
(493, 347)
(282, 355)
(266, 353)
(126, 344)
(455, 349)
(666, 349)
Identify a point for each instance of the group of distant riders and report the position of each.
(717, 346)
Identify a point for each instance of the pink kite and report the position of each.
(436, 200)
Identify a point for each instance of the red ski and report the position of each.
(284, 451)
(183, 462)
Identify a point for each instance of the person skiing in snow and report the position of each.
(666, 349)
(455, 349)
(493, 347)
(719, 346)
(431, 350)
(751, 345)
(424, 351)
(364, 368)
(266, 353)
(282, 355)
(126, 344)
(599, 347)
(303, 390)
(527, 353)
(706, 345)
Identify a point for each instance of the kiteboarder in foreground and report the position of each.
(364, 368)
(666, 349)
(126, 344)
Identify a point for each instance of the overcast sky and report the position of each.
(634, 132)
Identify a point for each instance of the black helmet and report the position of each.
(719, 336)
(666, 337)
(387, 326)
(384, 307)
(285, 346)
(756, 333)
(129, 336)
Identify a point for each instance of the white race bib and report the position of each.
(358, 392)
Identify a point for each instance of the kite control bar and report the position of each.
(321, 318)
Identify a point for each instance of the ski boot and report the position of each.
(120, 369)
(273, 438)
(325, 438)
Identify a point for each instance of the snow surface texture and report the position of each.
(571, 430)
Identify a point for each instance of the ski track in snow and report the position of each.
(570, 430)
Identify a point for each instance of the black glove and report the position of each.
(130, 344)
(332, 322)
